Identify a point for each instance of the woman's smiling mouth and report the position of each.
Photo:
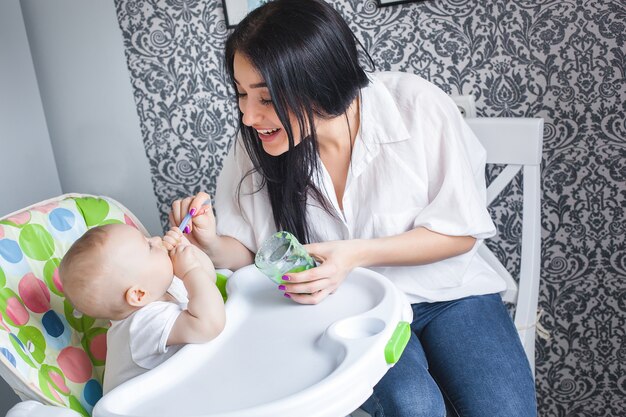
(267, 134)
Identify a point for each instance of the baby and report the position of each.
(114, 272)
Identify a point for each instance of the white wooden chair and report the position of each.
(517, 142)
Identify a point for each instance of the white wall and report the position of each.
(68, 121)
(28, 172)
(26, 160)
(78, 52)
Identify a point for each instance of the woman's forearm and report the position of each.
(415, 247)
(227, 252)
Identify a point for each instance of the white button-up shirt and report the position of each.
(415, 163)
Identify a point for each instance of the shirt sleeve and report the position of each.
(455, 162)
(150, 328)
(230, 210)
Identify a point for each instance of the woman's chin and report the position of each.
(275, 147)
(275, 150)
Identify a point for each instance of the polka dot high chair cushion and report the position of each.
(49, 352)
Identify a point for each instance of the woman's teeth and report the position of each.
(267, 132)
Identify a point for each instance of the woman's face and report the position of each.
(257, 108)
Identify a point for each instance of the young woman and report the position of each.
(376, 171)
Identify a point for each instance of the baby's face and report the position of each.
(144, 261)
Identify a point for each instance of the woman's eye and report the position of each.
(241, 95)
(266, 102)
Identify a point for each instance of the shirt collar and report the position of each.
(381, 121)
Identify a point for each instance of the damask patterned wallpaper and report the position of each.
(564, 61)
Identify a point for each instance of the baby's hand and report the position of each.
(173, 238)
(204, 259)
(185, 260)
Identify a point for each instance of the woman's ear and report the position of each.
(137, 296)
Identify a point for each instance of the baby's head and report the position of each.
(113, 270)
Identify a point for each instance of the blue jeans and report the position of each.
(464, 356)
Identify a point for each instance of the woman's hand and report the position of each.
(224, 251)
(337, 259)
(418, 246)
(201, 230)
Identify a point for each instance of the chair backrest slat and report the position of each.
(510, 140)
(501, 181)
(517, 143)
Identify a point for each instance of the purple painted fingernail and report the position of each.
(286, 278)
(281, 287)
(287, 295)
(192, 211)
(186, 229)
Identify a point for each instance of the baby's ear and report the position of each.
(137, 296)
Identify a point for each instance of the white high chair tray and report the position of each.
(275, 357)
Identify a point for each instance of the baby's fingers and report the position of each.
(172, 238)
(174, 232)
(168, 245)
(179, 249)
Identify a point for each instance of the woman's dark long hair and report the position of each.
(307, 56)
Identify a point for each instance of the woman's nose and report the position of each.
(252, 114)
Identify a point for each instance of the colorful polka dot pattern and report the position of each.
(56, 350)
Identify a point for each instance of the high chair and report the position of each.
(274, 358)
(51, 353)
